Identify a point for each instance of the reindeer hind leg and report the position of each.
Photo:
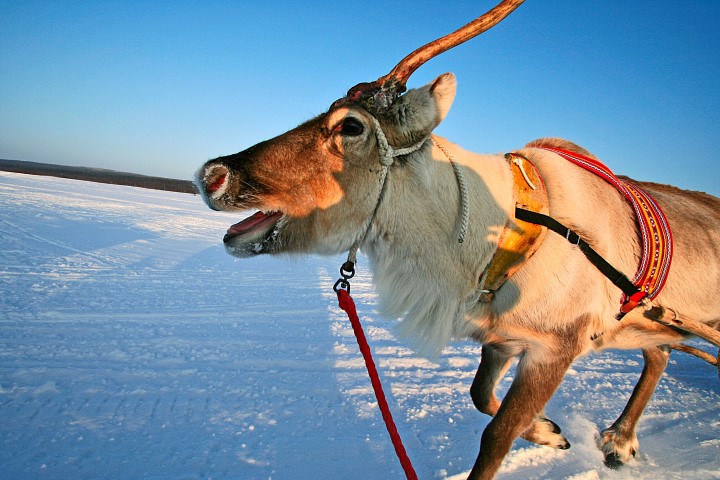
(619, 442)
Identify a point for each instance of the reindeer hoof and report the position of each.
(612, 460)
(544, 431)
(618, 448)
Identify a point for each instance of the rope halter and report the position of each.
(387, 158)
(387, 152)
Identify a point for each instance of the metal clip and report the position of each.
(572, 237)
(347, 271)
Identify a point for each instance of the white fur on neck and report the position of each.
(422, 273)
(430, 311)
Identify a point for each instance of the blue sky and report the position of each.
(160, 87)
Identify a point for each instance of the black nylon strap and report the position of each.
(616, 277)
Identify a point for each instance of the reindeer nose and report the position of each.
(215, 178)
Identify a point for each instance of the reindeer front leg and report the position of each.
(493, 366)
(538, 376)
(619, 442)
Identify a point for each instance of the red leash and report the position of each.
(342, 288)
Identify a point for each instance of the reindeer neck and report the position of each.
(422, 210)
(421, 270)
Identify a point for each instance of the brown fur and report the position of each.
(561, 143)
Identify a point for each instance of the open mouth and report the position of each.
(251, 236)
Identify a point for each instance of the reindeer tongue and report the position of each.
(258, 222)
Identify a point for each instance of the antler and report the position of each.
(381, 93)
(407, 66)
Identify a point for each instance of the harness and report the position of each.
(655, 232)
(656, 237)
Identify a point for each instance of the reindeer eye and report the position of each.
(351, 127)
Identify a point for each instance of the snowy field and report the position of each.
(133, 347)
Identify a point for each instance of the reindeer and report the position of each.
(369, 173)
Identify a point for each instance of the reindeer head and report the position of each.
(315, 187)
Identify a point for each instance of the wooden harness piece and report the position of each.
(519, 240)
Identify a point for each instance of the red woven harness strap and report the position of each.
(655, 233)
(346, 303)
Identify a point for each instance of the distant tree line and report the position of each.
(99, 175)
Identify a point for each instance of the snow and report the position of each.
(132, 346)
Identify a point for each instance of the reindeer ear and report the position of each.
(416, 113)
(443, 91)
